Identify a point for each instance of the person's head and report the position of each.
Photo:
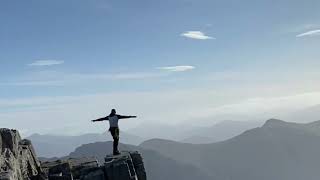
(113, 112)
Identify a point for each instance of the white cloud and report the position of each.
(119, 76)
(46, 63)
(196, 35)
(177, 68)
(310, 33)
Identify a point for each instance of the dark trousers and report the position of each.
(115, 135)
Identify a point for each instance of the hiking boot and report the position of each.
(116, 153)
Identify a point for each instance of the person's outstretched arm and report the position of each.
(125, 117)
(100, 119)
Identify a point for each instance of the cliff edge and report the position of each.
(18, 161)
(127, 166)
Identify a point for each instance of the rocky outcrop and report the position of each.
(18, 160)
(127, 166)
(72, 168)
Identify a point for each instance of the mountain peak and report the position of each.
(274, 122)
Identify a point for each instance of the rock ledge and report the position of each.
(127, 166)
(18, 161)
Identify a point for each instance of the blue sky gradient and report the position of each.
(112, 46)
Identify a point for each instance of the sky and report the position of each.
(65, 62)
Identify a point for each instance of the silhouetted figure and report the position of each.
(113, 119)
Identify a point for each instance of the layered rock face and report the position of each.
(127, 166)
(18, 160)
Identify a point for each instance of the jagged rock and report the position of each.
(18, 160)
(120, 167)
(69, 169)
(93, 174)
(127, 166)
(61, 171)
(138, 165)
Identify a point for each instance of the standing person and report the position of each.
(113, 119)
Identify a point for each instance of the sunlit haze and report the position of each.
(173, 62)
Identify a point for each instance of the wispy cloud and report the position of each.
(57, 78)
(196, 35)
(54, 78)
(310, 33)
(177, 68)
(46, 63)
(119, 76)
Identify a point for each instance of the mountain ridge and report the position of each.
(58, 145)
(277, 150)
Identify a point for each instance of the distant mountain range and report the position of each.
(219, 132)
(158, 167)
(278, 151)
(57, 146)
(196, 135)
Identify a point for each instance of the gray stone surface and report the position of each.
(18, 160)
(127, 166)
(138, 165)
(94, 174)
(120, 167)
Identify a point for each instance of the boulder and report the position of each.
(18, 160)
